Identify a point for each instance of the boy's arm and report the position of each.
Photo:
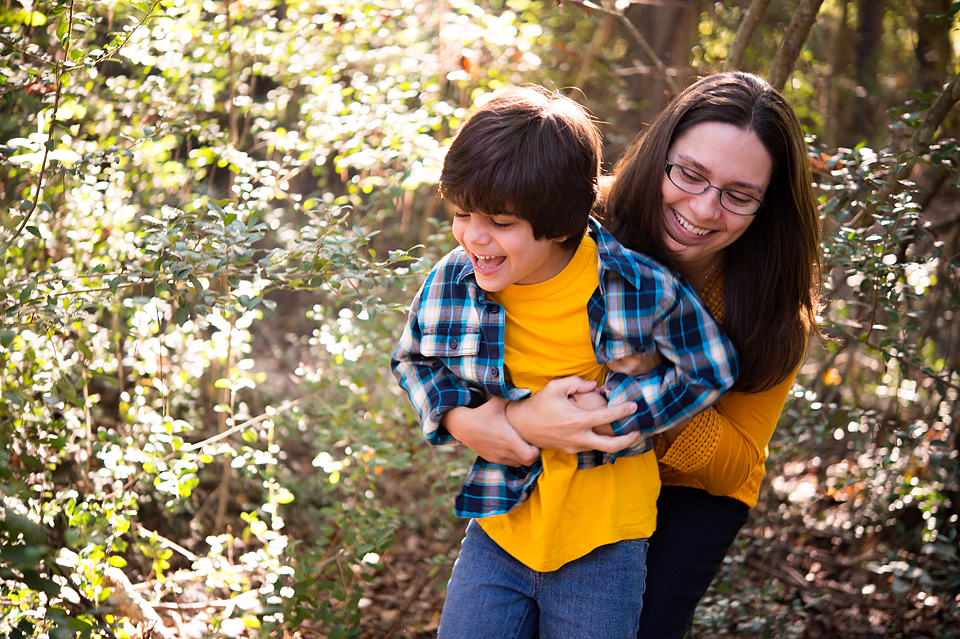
(700, 363)
(431, 386)
(486, 431)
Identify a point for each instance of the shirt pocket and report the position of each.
(450, 341)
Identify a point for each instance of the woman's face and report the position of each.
(698, 226)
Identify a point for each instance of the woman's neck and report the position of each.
(699, 272)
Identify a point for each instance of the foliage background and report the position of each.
(213, 214)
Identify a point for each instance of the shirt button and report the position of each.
(494, 310)
(454, 343)
(494, 373)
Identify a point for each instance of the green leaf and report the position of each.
(17, 524)
(7, 336)
(41, 584)
(23, 555)
(32, 18)
(181, 314)
(27, 292)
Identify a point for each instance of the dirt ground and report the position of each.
(793, 583)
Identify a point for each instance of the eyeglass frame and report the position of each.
(709, 186)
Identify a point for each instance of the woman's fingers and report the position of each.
(552, 420)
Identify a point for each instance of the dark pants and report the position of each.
(694, 532)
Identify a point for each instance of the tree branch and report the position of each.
(921, 139)
(935, 115)
(748, 25)
(793, 39)
(590, 6)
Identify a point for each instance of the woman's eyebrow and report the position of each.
(693, 164)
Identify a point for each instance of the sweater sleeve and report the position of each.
(722, 446)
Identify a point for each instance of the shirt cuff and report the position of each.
(695, 446)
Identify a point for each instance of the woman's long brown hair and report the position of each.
(773, 271)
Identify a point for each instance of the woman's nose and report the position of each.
(708, 203)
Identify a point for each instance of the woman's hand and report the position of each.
(486, 431)
(552, 420)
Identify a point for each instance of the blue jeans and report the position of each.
(492, 595)
(694, 533)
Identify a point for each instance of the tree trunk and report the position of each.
(933, 53)
(838, 64)
(868, 46)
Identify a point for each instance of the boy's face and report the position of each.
(504, 252)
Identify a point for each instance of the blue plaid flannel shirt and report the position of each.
(451, 354)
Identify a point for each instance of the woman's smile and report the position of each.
(698, 226)
(688, 225)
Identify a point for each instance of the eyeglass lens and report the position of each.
(692, 182)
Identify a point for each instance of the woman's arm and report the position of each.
(551, 420)
(722, 446)
(513, 433)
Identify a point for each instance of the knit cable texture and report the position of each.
(695, 446)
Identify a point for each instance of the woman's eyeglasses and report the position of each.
(691, 182)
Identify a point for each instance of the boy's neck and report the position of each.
(558, 260)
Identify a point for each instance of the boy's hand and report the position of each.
(634, 365)
(593, 400)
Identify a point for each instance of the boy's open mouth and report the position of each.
(487, 262)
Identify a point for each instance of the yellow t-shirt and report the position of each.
(571, 511)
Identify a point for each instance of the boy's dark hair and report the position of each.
(530, 153)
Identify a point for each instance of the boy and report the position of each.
(558, 547)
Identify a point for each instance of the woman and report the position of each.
(718, 188)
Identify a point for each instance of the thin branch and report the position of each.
(59, 70)
(935, 115)
(922, 137)
(109, 55)
(625, 21)
(250, 422)
(748, 25)
(210, 440)
(50, 132)
(793, 39)
(600, 41)
(163, 541)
